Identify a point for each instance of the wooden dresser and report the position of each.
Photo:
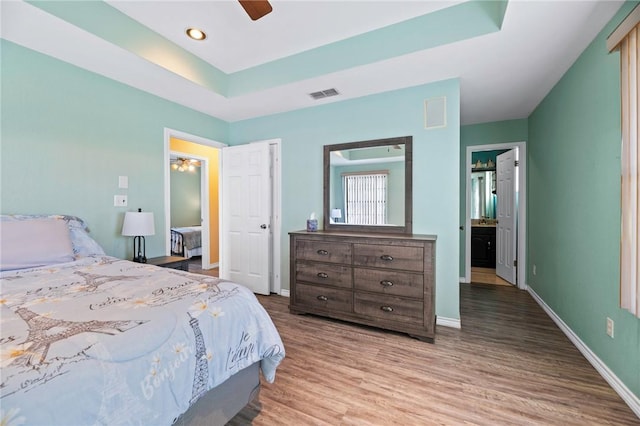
(381, 280)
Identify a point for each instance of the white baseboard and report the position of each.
(627, 396)
(284, 292)
(448, 322)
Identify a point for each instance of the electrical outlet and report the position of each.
(120, 200)
(610, 325)
(534, 269)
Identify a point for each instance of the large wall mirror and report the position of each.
(368, 186)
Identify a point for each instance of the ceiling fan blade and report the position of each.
(256, 9)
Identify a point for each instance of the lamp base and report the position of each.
(139, 247)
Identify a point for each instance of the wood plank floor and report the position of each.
(509, 365)
(195, 266)
(486, 276)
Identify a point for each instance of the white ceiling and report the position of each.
(503, 75)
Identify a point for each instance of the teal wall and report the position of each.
(574, 206)
(67, 134)
(436, 155)
(185, 198)
(483, 134)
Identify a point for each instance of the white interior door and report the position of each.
(506, 236)
(245, 213)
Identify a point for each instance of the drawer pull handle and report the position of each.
(322, 275)
(386, 308)
(386, 258)
(386, 283)
(323, 252)
(323, 298)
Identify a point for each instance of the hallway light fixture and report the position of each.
(184, 164)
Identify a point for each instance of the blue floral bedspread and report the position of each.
(107, 341)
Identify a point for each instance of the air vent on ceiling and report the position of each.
(324, 93)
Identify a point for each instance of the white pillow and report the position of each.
(83, 244)
(31, 243)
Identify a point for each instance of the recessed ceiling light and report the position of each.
(196, 34)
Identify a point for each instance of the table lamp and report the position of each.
(336, 214)
(138, 225)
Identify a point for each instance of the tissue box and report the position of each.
(312, 225)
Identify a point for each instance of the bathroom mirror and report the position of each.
(483, 194)
(368, 186)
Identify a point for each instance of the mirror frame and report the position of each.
(408, 187)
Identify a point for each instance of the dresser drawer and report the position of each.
(389, 307)
(329, 299)
(324, 251)
(395, 257)
(322, 273)
(389, 282)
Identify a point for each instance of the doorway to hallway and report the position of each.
(518, 249)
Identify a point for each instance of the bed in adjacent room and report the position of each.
(87, 338)
(186, 241)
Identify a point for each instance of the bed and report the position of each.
(186, 241)
(87, 338)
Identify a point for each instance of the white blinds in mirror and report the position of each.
(365, 198)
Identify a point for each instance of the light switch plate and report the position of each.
(120, 200)
(123, 182)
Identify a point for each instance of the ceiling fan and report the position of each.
(256, 9)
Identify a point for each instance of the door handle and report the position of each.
(263, 226)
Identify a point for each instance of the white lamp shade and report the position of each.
(138, 224)
(336, 213)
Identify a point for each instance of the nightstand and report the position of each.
(175, 262)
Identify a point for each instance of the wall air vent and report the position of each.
(324, 94)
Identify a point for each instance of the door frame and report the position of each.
(522, 207)
(204, 189)
(275, 151)
(204, 203)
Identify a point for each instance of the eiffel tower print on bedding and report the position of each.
(106, 341)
